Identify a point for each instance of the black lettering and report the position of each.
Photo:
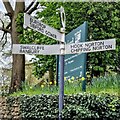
(50, 34)
(89, 44)
(102, 47)
(76, 46)
(99, 43)
(40, 47)
(108, 46)
(31, 20)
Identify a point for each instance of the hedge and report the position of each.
(76, 107)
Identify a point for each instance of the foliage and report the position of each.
(99, 105)
(103, 22)
(75, 106)
(108, 84)
(76, 112)
(19, 22)
(4, 90)
(44, 64)
(39, 107)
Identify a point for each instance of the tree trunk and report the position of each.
(51, 75)
(18, 70)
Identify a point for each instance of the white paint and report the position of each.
(75, 48)
(41, 27)
(93, 46)
(36, 49)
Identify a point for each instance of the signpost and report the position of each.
(75, 64)
(36, 49)
(62, 49)
(41, 27)
(74, 48)
(93, 46)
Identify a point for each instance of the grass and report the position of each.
(107, 84)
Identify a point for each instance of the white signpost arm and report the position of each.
(92, 46)
(61, 49)
(41, 27)
(36, 49)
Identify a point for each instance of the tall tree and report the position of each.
(103, 23)
(18, 68)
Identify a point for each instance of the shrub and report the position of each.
(75, 112)
(75, 106)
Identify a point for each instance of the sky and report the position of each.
(2, 6)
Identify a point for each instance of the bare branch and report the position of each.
(5, 41)
(3, 27)
(34, 8)
(8, 6)
(30, 6)
(5, 30)
(9, 25)
(2, 22)
(2, 36)
(9, 15)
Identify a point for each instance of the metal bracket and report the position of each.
(63, 18)
(62, 49)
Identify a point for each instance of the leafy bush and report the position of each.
(76, 112)
(101, 106)
(40, 107)
(75, 106)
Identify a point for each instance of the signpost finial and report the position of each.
(62, 16)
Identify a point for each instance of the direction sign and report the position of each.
(36, 49)
(75, 48)
(93, 46)
(75, 65)
(41, 27)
